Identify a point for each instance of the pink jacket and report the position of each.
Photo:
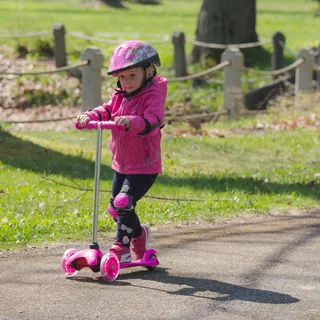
(137, 150)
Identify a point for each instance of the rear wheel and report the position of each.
(153, 256)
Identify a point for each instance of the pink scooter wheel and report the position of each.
(109, 267)
(68, 270)
(153, 256)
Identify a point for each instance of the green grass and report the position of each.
(41, 173)
(41, 176)
(159, 20)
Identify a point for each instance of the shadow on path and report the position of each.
(30, 156)
(199, 288)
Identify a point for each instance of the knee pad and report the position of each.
(124, 201)
(112, 211)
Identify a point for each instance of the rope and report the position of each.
(316, 68)
(86, 37)
(38, 121)
(26, 35)
(225, 46)
(162, 38)
(202, 73)
(96, 39)
(172, 119)
(216, 81)
(196, 116)
(62, 69)
(283, 78)
(146, 196)
(277, 72)
(282, 44)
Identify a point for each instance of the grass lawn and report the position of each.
(155, 22)
(46, 177)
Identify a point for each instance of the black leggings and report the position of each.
(128, 224)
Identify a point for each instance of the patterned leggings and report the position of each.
(128, 224)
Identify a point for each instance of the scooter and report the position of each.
(108, 265)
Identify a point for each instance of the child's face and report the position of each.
(131, 79)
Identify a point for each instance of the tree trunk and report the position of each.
(224, 22)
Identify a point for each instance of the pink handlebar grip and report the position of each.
(103, 125)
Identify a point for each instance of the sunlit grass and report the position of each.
(46, 179)
(243, 169)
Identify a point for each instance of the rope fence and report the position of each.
(276, 72)
(108, 41)
(25, 35)
(202, 73)
(225, 46)
(38, 120)
(56, 70)
(232, 65)
(287, 48)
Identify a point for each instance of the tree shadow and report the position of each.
(30, 156)
(27, 155)
(150, 2)
(215, 290)
(257, 57)
(114, 4)
(198, 287)
(284, 12)
(248, 185)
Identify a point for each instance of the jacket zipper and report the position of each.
(120, 135)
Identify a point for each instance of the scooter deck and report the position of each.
(149, 260)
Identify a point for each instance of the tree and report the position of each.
(224, 22)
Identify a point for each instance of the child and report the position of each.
(138, 104)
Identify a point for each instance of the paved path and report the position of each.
(249, 268)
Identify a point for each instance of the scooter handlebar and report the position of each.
(103, 125)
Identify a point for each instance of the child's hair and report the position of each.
(134, 54)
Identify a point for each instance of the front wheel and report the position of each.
(66, 269)
(109, 267)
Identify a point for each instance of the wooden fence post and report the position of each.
(180, 65)
(278, 41)
(304, 72)
(232, 88)
(60, 54)
(91, 78)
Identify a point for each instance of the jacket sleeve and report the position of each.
(152, 119)
(102, 113)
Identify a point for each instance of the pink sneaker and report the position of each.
(141, 245)
(122, 252)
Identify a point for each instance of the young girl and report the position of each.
(138, 104)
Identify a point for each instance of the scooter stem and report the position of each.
(96, 187)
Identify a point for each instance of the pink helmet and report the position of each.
(133, 54)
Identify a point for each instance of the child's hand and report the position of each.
(83, 119)
(122, 121)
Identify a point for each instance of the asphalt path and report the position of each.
(265, 267)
